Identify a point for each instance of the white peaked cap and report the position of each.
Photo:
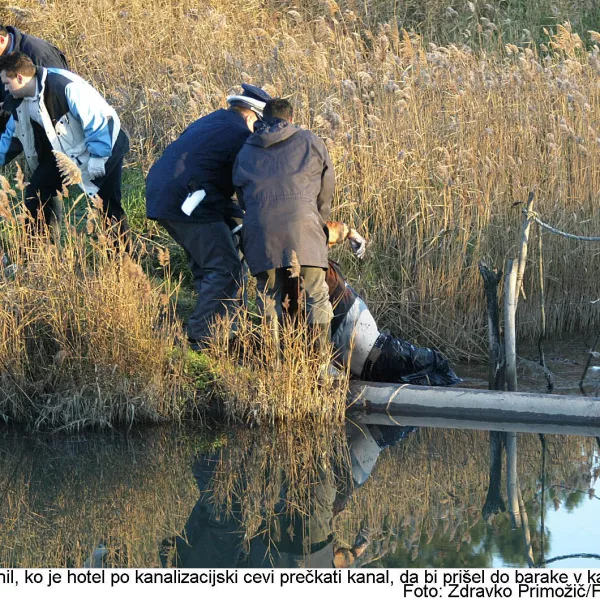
(255, 105)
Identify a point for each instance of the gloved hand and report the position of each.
(96, 167)
(357, 243)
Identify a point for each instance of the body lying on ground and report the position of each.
(374, 355)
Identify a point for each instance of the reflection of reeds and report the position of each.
(273, 473)
(443, 501)
(132, 494)
(66, 496)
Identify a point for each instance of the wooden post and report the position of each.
(542, 298)
(494, 503)
(525, 227)
(588, 363)
(543, 502)
(510, 298)
(510, 345)
(491, 279)
(549, 375)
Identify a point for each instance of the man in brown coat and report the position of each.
(285, 180)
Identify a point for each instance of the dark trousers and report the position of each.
(271, 284)
(216, 268)
(40, 194)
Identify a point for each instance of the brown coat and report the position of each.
(284, 180)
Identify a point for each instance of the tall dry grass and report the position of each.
(260, 384)
(86, 338)
(433, 145)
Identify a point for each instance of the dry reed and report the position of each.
(433, 144)
(86, 338)
(262, 384)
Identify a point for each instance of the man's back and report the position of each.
(41, 52)
(285, 183)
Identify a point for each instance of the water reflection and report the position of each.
(353, 496)
(293, 526)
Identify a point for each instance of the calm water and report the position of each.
(420, 506)
(375, 496)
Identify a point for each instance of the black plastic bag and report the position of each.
(401, 362)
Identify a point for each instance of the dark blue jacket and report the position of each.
(201, 158)
(42, 53)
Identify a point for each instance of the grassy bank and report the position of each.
(93, 337)
(438, 120)
(85, 338)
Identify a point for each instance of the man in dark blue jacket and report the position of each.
(42, 54)
(189, 192)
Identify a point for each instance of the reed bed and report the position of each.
(436, 129)
(86, 338)
(260, 384)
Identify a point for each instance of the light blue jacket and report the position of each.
(75, 118)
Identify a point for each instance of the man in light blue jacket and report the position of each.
(56, 110)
